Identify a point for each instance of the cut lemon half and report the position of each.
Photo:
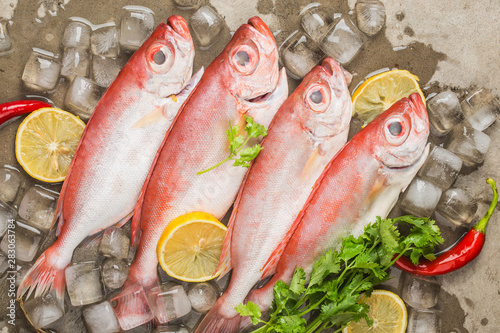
(380, 91)
(46, 142)
(388, 312)
(189, 248)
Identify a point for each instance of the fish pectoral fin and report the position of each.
(311, 164)
(150, 118)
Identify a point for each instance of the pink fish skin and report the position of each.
(243, 80)
(113, 158)
(363, 181)
(307, 131)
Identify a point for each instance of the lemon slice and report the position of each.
(189, 248)
(388, 312)
(46, 142)
(380, 91)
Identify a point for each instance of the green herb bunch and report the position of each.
(237, 152)
(334, 295)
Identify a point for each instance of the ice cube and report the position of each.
(420, 292)
(444, 112)
(114, 243)
(137, 24)
(83, 282)
(441, 167)
(114, 273)
(5, 41)
(206, 24)
(316, 22)
(43, 310)
(457, 206)
(420, 198)
(10, 181)
(86, 251)
(223, 282)
(168, 302)
(132, 308)
(171, 329)
(343, 41)
(370, 15)
(7, 215)
(21, 272)
(188, 4)
(75, 61)
(38, 207)
(481, 108)
(104, 40)
(100, 318)
(423, 321)
(41, 70)
(77, 35)
(105, 70)
(299, 54)
(26, 244)
(203, 296)
(467, 143)
(4, 263)
(82, 97)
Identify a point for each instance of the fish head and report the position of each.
(250, 71)
(400, 136)
(165, 60)
(324, 103)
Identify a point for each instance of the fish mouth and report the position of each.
(329, 66)
(418, 163)
(179, 25)
(277, 92)
(259, 25)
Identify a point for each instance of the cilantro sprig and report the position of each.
(334, 295)
(237, 152)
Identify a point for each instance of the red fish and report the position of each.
(117, 148)
(307, 131)
(244, 80)
(362, 182)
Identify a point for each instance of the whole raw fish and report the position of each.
(307, 131)
(362, 182)
(117, 148)
(243, 80)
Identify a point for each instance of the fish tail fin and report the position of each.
(41, 278)
(214, 322)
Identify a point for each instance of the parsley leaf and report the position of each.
(341, 280)
(241, 155)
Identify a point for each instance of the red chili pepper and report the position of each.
(466, 250)
(13, 109)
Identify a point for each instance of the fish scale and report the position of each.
(308, 130)
(114, 156)
(362, 182)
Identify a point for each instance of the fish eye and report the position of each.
(318, 98)
(396, 130)
(160, 57)
(244, 58)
